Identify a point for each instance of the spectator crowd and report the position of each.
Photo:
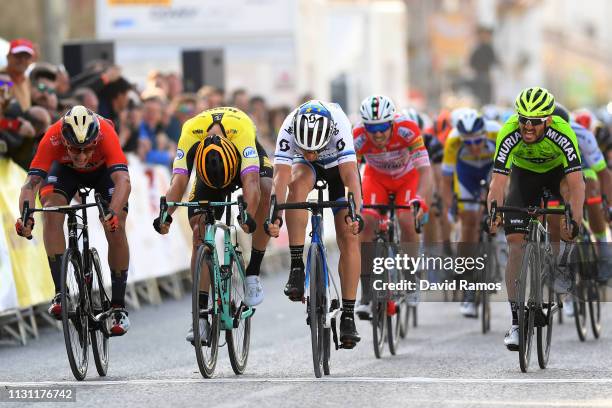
(34, 94)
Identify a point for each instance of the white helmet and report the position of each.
(414, 116)
(313, 126)
(80, 126)
(377, 109)
(469, 121)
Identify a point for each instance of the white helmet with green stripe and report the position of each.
(534, 102)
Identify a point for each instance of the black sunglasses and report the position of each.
(523, 120)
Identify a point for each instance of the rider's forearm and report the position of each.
(576, 191)
(447, 190)
(282, 177)
(251, 192)
(350, 178)
(121, 179)
(426, 182)
(497, 189)
(29, 190)
(605, 182)
(178, 185)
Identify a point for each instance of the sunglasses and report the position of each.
(523, 120)
(8, 84)
(78, 150)
(378, 127)
(44, 88)
(474, 141)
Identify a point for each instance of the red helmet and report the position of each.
(584, 118)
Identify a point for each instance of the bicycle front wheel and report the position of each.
(100, 303)
(317, 309)
(595, 294)
(544, 333)
(206, 349)
(74, 313)
(238, 339)
(525, 315)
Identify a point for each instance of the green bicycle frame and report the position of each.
(224, 277)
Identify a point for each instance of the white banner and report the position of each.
(151, 255)
(8, 293)
(192, 19)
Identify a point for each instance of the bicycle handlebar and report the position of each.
(307, 205)
(164, 205)
(101, 203)
(533, 212)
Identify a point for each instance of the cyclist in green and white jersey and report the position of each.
(534, 150)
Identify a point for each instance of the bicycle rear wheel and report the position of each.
(526, 316)
(206, 350)
(74, 313)
(317, 309)
(239, 338)
(100, 303)
(544, 333)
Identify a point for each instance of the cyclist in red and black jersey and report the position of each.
(81, 150)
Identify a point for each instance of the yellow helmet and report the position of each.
(216, 161)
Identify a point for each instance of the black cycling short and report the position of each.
(526, 190)
(66, 181)
(201, 191)
(331, 175)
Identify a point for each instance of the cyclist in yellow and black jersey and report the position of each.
(221, 144)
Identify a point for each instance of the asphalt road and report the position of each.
(445, 362)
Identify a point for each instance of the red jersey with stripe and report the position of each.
(404, 151)
(51, 149)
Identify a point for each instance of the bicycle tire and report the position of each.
(580, 310)
(316, 309)
(525, 318)
(206, 353)
(238, 350)
(595, 295)
(544, 333)
(404, 313)
(100, 303)
(491, 274)
(393, 331)
(75, 320)
(379, 307)
(560, 315)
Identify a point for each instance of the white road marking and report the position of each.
(406, 380)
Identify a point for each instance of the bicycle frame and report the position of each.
(317, 239)
(224, 277)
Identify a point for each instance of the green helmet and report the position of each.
(534, 102)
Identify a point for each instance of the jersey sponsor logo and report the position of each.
(507, 145)
(56, 140)
(198, 131)
(359, 142)
(564, 143)
(249, 153)
(283, 145)
(405, 132)
(289, 130)
(179, 154)
(340, 145)
(216, 117)
(52, 179)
